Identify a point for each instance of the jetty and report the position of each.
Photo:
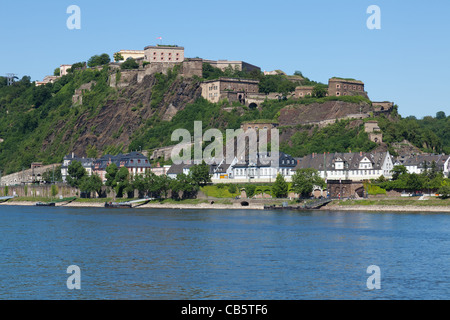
(310, 205)
(6, 198)
(128, 204)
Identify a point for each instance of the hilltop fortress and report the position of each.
(162, 58)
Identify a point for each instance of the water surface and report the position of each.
(220, 254)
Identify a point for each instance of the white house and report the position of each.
(349, 166)
(87, 164)
(261, 169)
(417, 163)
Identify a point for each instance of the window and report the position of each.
(338, 93)
(338, 86)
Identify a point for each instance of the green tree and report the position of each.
(320, 91)
(52, 175)
(111, 172)
(440, 115)
(280, 187)
(118, 56)
(444, 191)
(75, 66)
(232, 188)
(76, 173)
(130, 63)
(189, 187)
(398, 171)
(54, 190)
(122, 182)
(200, 174)
(57, 72)
(304, 180)
(414, 182)
(163, 183)
(99, 60)
(250, 190)
(92, 183)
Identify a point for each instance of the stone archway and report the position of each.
(253, 105)
(360, 192)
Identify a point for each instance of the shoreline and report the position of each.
(386, 208)
(145, 206)
(237, 206)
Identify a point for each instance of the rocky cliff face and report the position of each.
(124, 112)
(317, 112)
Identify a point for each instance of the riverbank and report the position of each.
(380, 205)
(391, 205)
(156, 205)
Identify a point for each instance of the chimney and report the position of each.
(360, 153)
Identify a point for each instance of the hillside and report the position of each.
(44, 123)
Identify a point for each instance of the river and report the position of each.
(222, 254)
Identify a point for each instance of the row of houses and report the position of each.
(331, 166)
(135, 162)
(354, 167)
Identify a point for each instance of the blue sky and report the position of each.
(406, 62)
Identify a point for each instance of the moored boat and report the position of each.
(117, 205)
(45, 204)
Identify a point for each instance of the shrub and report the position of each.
(232, 188)
(250, 190)
(374, 190)
(129, 64)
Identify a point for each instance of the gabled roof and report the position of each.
(129, 160)
(178, 168)
(284, 160)
(351, 161)
(420, 160)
